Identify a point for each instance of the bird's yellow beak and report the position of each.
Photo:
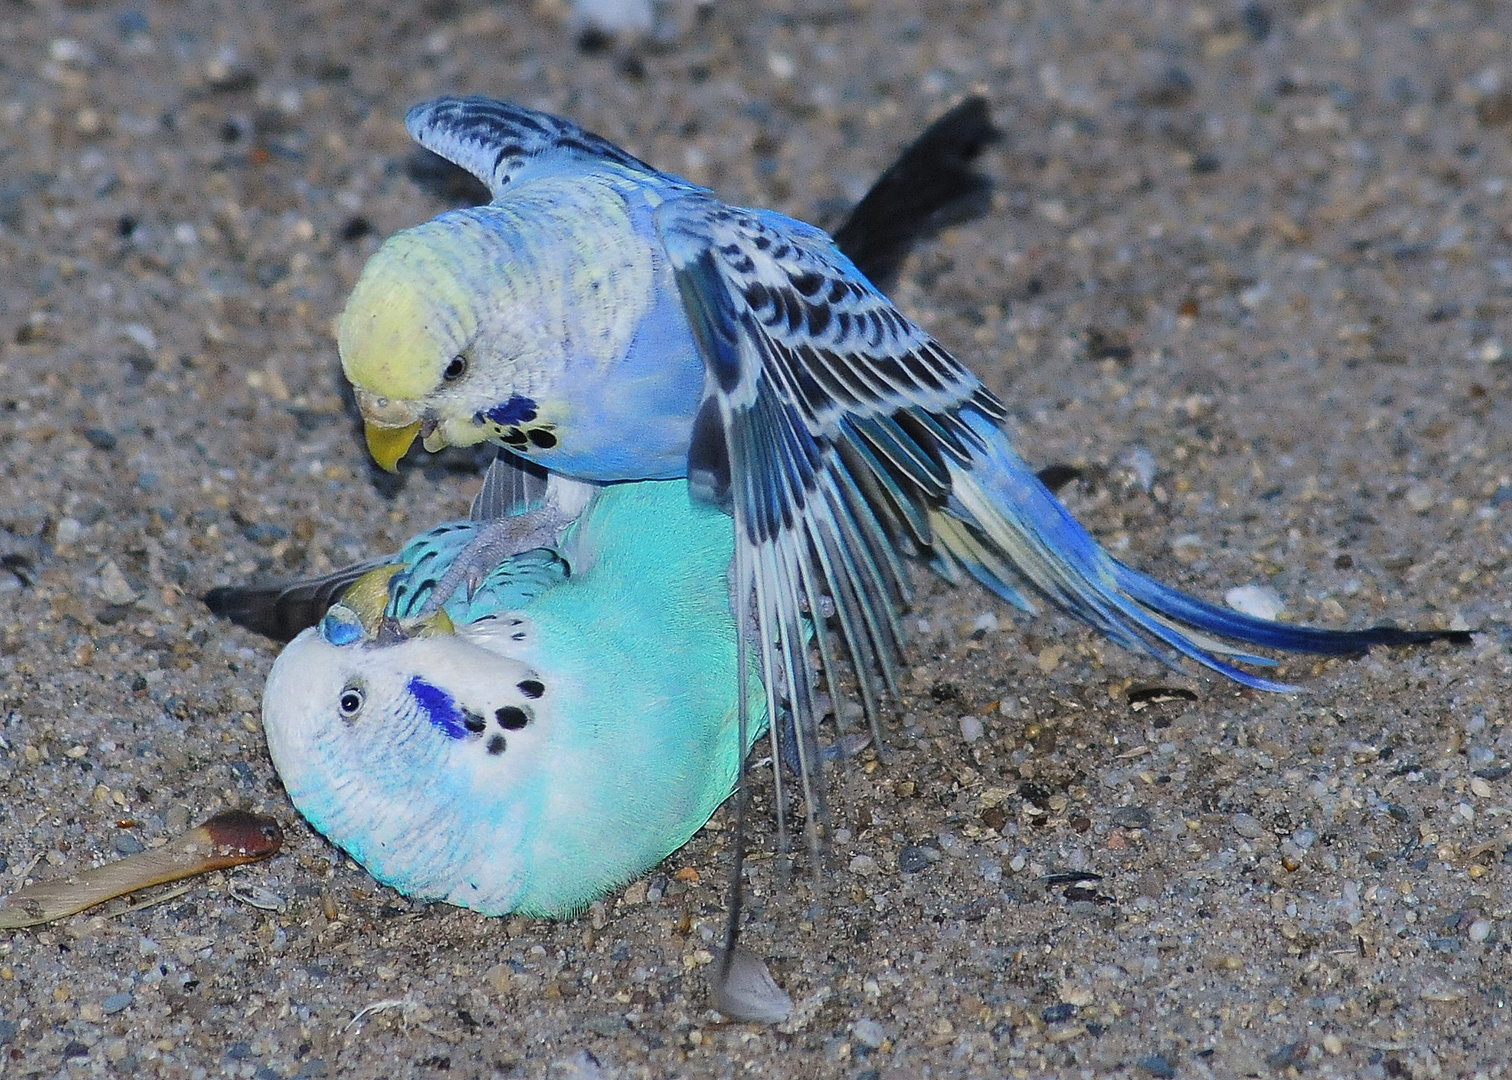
(389, 444)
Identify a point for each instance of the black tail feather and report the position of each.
(281, 609)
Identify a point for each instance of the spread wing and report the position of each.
(499, 142)
(826, 425)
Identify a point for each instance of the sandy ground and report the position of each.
(1249, 266)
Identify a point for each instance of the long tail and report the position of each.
(1002, 525)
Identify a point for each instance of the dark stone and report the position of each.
(1132, 817)
(1156, 1065)
(912, 859)
(115, 1003)
(1292, 1054)
(265, 534)
(1257, 20)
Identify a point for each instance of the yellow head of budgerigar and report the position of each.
(403, 337)
(361, 613)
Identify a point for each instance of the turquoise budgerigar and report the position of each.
(534, 744)
(611, 321)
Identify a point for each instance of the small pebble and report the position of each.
(99, 438)
(1261, 601)
(1132, 817)
(127, 844)
(913, 858)
(114, 588)
(1057, 1014)
(1248, 826)
(1480, 930)
(265, 534)
(1156, 1065)
(971, 728)
(987, 622)
(864, 865)
(1142, 462)
(115, 1003)
(869, 1033)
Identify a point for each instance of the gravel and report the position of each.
(1247, 268)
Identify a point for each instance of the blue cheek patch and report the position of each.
(439, 708)
(517, 410)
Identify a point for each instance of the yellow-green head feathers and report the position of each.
(409, 315)
(489, 307)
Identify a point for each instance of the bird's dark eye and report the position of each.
(350, 702)
(456, 369)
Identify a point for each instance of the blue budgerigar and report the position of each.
(534, 744)
(611, 321)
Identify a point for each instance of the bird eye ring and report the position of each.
(350, 702)
(456, 369)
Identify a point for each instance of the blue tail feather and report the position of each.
(1005, 520)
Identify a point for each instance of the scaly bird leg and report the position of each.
(500, 538)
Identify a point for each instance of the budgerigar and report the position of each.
(611, 321)
(547, 738)
(931, 184)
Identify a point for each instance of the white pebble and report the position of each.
(141, 335)
(987, 621)
(615, 16)
(114, 588)
(1261, 601)
(971, 728)
(1017, 863)
(869, 1033)
(1248, 826)
(1143, 463)
(1480, 930)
